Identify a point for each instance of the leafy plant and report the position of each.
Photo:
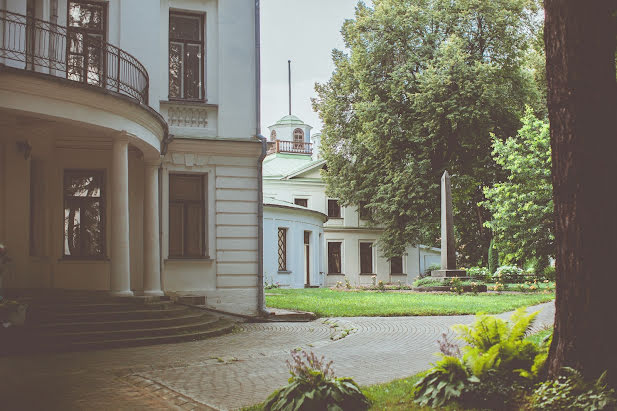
(381, 286)
(571, 392)
(347, 283)
(313, 386)
(509, 274)
(456, 286)
(270, 284)
(479, 273)
(496, 362)
(443, 383)
(493, 257)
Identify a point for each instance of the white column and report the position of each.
(120, 264)
(152, 268)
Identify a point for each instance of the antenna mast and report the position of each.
(289, 77)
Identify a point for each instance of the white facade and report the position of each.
(293, 177)
(135, 140)
(293, 245)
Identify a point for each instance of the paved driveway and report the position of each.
(225, 372)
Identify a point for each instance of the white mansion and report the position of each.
(309, 240)
(129, 156)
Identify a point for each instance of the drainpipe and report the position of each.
(261, 307)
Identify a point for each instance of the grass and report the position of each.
(325, 302)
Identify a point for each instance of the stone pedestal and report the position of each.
(449, 273)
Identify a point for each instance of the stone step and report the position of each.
(135, 314)
(188, 317)
(96, 307)
(22, 343)
(221, 328)
(201, 324)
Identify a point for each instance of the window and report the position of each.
(366, 258)
(396, 265)
(301, 202)
(84, 216)
(298, 139)
(334, 258)
(86, 30)
(186, 216)
(186, 56)
(364, 211)
(334, 210)
(282, 241)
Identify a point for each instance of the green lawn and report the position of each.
(325, 302)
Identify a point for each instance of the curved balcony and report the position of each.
(48, 48)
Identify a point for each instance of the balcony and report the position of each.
(35, 45)
(294, 147)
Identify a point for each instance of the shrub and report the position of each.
(549, 273)
(313, 386)
(381, 286)
(509, 274)
(456, 286)
(347, 283)
(493, 257)
(479, 273)
(432, 267)
(570, 392)
(429, 282)
(497, 363)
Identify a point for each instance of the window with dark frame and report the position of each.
(282, 249)
(334, 257)
(366, 258)
(364, 211)
(84, 214)
(334, 209)
(186, 56)
(301, 202)
(396, 265)
(187, 237)
(298, 136)
(85, 48)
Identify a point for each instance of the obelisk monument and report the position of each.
(448, 249)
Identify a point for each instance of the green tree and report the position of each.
(421, 88)
(522, 205)
(493, 257)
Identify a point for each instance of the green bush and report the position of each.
(497, 362)
(549, 273)
(313, 386)
(479, 273)
(428, 282)
(570, 392)
(493, 257)
(509, 274)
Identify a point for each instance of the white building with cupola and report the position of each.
(301, 252)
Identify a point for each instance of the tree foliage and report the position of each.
(522, 205)
(420, 89)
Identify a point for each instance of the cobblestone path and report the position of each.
(226, 372)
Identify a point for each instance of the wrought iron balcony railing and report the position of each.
(295, 147)
(52, 49)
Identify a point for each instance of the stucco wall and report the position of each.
(296, 222)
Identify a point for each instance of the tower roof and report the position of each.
(290, 120)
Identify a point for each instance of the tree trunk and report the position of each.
(580, 40)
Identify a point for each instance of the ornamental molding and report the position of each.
(187, 116)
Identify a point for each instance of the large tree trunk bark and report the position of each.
(580, 38)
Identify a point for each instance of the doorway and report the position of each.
(307, 259)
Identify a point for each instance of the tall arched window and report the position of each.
(298, 139)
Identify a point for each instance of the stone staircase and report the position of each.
(74, 321)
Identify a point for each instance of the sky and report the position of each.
(305, 32)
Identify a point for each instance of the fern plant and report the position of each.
(496, 361)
